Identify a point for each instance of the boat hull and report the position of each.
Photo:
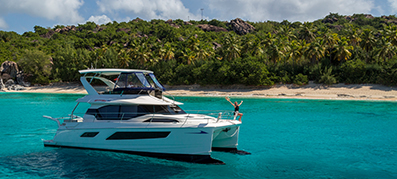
(184, 144)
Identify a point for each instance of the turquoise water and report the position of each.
(288, 138)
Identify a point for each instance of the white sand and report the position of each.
(310, 91)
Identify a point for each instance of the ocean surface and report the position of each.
(288, 138)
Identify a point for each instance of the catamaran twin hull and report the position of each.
(191, 144)
(130, 114)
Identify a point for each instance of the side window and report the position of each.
(162, 109)
(109, 113)
(143, 109)
(159, 109)
(127, 112)
(177, 109)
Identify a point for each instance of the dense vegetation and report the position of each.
(344, 49)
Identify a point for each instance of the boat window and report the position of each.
(158, 84)
(161, 109)
(143, 80)
(89, 134)
(129, 111)
(161, 120)
(151, 82)
(121, 81)
(109, 112)
(177, 109)
(115, 112)
(133, 81)
(137, 135)
(125, 112)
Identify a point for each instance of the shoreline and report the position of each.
(369, 92)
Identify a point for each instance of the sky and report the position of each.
(22, 15)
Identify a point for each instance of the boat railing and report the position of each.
(70, 118)
(218, 114)
(191, 115)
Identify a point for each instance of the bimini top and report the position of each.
(125, 81)
(127, 100)
(112, 71)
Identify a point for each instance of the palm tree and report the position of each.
(123, 59)
(204, 51)
(252, 45)
(307, 32)
(286, 31)
(353, 36)
(231, 47)
(166, 52)
(330, 39)
(141, 53)
(386, 49)
(296, 51)
(189, 55)
(390, 33)
(342, 49)
(276, 51)
(248, 44)
(368, 42)
(315, 50)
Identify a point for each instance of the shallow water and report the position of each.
(288, 138)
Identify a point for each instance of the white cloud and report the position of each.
(64, 11)
(393, 5)
(148, 9)
(291, 10)
(3, 24)
(103, 19)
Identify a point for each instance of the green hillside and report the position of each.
(337, 49)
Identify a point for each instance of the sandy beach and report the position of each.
(310, 91)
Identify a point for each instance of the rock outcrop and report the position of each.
(9, 69)
(241, 27)
(330, 20)
(390, 20)
(350, 18)
(48, 35)
(137, 19)
(369, 16)
(66, 29)
(8, 72)
(169, 21)
(212, 28)
(187, 23)
(126, 30)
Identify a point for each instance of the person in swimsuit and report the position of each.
(236, 107)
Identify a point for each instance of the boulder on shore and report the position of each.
(241, 27)
(9, 72)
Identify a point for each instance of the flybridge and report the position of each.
(122, 81)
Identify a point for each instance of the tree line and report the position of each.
(336, 49)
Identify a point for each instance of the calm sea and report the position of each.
(288, 138)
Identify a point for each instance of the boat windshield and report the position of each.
(132, 81)
(128, 82)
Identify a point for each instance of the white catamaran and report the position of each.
(130, 114)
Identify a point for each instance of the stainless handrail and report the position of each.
(217, 115)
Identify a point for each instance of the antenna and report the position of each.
(202, 9)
